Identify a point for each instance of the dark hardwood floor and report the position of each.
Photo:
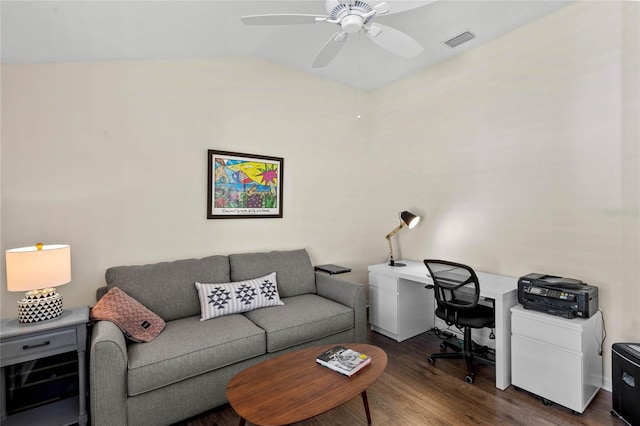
(412, 392)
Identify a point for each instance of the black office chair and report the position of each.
(457, 292)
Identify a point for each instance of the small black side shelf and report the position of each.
(332, 269)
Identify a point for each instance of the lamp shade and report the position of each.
(409, 219)
(38, 267)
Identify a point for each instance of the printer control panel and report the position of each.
(548, 292)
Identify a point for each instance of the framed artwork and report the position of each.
(242, 186)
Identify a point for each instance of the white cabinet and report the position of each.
(399, 308)
(556, 358)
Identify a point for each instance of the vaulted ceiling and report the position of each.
(87, 30)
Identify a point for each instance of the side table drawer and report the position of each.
(33, 347)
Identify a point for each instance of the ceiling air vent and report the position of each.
(459, 39)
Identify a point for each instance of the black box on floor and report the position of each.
(625, 375)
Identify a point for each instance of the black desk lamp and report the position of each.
(406, 219)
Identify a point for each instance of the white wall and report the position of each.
(111, 158)
(522, 156)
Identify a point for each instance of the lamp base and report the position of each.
(40, 305)
(396, 264)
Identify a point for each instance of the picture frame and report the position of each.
(243, 186)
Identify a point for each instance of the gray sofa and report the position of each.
(184, 370)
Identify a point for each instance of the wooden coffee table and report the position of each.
(293, 387)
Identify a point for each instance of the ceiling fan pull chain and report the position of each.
(359, 115)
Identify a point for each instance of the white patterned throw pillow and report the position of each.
(217, 300)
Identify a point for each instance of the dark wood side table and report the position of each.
(28, 342)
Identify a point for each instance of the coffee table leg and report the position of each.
(366, 406)
(242, 421)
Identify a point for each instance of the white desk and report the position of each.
(502, 289)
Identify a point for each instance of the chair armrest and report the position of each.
(108, 375)
(347, 293)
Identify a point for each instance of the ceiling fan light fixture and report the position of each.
(351, 24)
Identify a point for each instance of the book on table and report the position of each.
(343, 360)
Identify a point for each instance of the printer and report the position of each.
(565, 297)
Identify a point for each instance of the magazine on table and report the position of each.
(343, 360)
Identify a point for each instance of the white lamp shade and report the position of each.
(30, 268)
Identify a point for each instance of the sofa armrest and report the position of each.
(101, 291)
(108, 375)
(347, 293)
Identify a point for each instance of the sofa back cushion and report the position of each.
(293, 270)
(168, 288)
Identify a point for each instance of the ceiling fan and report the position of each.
(352, 16)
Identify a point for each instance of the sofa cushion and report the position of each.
(294, 269)
(189, 347)
(137, 322)
(167, 287)
(301, 319)
(217, 300)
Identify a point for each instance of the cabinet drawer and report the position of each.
(383, 310)
(383, 282)
(33, 347)
(547, 371)
(547, 329)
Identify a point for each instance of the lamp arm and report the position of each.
(394, 232)
(388, 237)
(391, 259)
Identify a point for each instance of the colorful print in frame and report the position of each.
(244, 186)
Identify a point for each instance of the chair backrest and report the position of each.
(449, 278)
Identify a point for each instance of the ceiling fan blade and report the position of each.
(397, 6)
(330, 50)
(282, 19)
(395, 41)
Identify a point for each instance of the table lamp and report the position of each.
(36, 270)
(406, 219)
